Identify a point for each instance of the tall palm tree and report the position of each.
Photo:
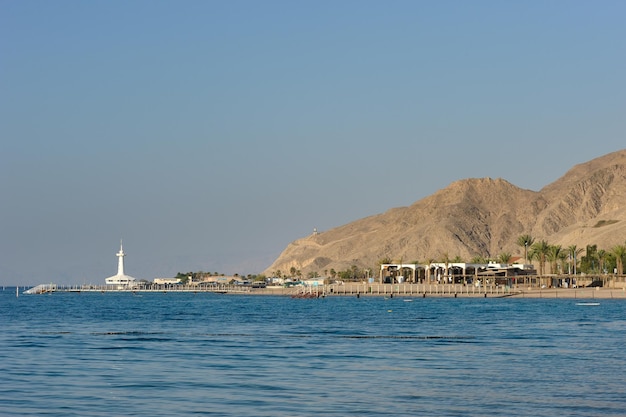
(573, 253)
(602, 255)
(532, 256)
(525, 241)
(620, 253)
(354, 271)
(563, 261)
(553, 257)
(540, 250)
(591, 255)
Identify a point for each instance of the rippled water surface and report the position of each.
(156, 354)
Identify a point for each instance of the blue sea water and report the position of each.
(156, 354)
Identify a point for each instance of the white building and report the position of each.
(120, 280)
(163, 281)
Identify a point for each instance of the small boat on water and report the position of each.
(42, 289)
(587, 304)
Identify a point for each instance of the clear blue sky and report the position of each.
(209, 134)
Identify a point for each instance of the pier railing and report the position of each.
(300, 291)
(519, 285)
(411, 289)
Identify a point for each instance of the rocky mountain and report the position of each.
(477, 217)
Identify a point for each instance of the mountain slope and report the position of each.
(477, 217)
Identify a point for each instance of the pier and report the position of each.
(407, 290)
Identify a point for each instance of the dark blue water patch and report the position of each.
(125, 333)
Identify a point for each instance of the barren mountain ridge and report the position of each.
(477, 217)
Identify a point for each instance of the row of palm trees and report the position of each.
(568, 259)
(351, 273)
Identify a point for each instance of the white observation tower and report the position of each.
(120, 261)
(121, 280)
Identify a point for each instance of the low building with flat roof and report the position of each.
(165, 281)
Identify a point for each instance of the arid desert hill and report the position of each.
(477, 217)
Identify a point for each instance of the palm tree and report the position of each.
(540, 250)
(602, 255)
(553, 256)
(573, 253)
(563, 261)
(479, 260)
(588, 261)
(504, 258)
(354, 269)
(620, 253)
(525, 241)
